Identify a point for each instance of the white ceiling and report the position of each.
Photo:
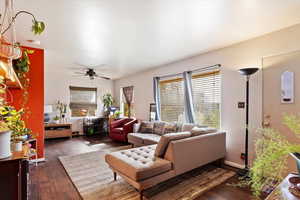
(134, 35)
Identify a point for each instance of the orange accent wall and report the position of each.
(36, 97)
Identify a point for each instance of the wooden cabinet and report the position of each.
(58, 130)
(14, 174)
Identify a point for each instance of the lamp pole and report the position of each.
(247, 72)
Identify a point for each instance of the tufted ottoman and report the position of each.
(137, 164)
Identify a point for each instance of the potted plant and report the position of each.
(5, 135)
(11, 121)
(272, 151)
(107, 103)
(62, 108)
(56, 119)
(117, 114)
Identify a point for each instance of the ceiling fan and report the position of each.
(88, 72)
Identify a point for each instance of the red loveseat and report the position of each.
(119, 129)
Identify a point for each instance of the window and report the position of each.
(207, 98)
(172, 101)
(83, 101)
(124, 108)
(206, 94)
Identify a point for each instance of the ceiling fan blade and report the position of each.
(78, 68)
(80, 73)
(102, 77)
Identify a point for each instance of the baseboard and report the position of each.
(233, 164)
(38, 160)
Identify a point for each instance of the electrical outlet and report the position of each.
(243, 156)
(241, 104)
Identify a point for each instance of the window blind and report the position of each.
(83, 101)
(172, 101)
(207, 98)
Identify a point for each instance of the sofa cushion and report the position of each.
(165, 139)
(170, 128)
(187, 127)
(158, 128)
(201, 131)
(136, 127)
(138, 163)
(146, 127)
(142, 138)
(135, 138)
(151, 139)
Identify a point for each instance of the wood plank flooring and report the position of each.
(49, 180)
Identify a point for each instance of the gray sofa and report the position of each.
(176, 153)
(138, 139)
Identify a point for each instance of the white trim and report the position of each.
(233, 164)
(38, 160)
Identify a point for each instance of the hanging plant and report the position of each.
(22, 68)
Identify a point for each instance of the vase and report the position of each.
(17, 146)
(296, 156)
(5, 151)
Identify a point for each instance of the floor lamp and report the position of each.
(246, 72)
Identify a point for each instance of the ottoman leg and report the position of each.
(115, 176)
(141, 194)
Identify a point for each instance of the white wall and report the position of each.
(245, 54)
(58, 78)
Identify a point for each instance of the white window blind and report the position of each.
(207, 98)
(83, 101)
(172, 101)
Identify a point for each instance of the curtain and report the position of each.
(156, 93)
(188, 97)
(128, 94)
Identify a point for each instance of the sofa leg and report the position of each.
(115, 176)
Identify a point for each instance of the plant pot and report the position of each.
(5, 151)
(56, 121)
(17, 146)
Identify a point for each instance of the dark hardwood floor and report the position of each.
(49, 180)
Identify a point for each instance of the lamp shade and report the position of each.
(48, 109)
(248, 71)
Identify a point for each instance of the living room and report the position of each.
(149, 100)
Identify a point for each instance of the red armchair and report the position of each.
(119, 129)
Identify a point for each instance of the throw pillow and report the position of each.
(165, 139)
(201, 131)
(146, 127)
(170, 128)
(158, 128)
(179, 127)
(187, 127)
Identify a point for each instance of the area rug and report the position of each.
(94, 180)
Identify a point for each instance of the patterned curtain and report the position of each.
(128, 94)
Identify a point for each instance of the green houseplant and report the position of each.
(117, 114)
(11, 119)
(272, 151)
(107, 103)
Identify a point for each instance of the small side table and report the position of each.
(282, 192)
